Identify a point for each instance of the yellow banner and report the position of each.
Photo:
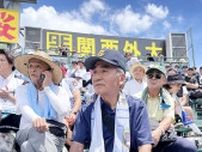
(9, 26)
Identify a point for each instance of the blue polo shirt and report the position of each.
(139, 125)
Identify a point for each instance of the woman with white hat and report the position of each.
(42, 103)
(137, 84)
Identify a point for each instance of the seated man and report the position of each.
(192, 84)
(42, 103)
(161, 112)
(114, 121)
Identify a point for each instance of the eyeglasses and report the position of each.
(156, 75)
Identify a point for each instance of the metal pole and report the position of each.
(192, 47)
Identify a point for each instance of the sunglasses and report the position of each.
(155, 75)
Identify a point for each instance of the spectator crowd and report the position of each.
(111, 102)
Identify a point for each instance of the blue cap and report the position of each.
(112, 57)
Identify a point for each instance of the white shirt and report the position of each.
(60, 102)
(134, 88)
(185, 91)
(70, 85)
(10, 84)
(80, 73)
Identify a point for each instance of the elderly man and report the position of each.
(42, 103)
(160, 107)
(114, 121)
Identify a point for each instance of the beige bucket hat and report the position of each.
(22, 61)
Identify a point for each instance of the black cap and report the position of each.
(176, 78)
(113, 57)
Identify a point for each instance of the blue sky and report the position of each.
(128, 18)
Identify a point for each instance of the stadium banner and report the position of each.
(9, 26)
(90, 44)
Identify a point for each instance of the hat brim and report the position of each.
(176, 82)
(91, 61)
(21, 63)
(134, 66)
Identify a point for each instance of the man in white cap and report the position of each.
(42, 103)
(160, 105)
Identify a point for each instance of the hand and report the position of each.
(40, 124)
(156, 135)
(48, 78)
(4, 94)
(71, 119)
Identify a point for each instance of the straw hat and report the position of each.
(22, 61)
(137, 65)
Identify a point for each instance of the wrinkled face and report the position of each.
(138, 73)
(35, 68)
(4, 64)
(107, 78)
(155, 80)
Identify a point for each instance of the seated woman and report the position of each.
(8, 84)
(137, 84)
(173, 85)
(72, 88)
(42, 103)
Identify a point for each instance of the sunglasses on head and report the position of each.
(156, 75)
